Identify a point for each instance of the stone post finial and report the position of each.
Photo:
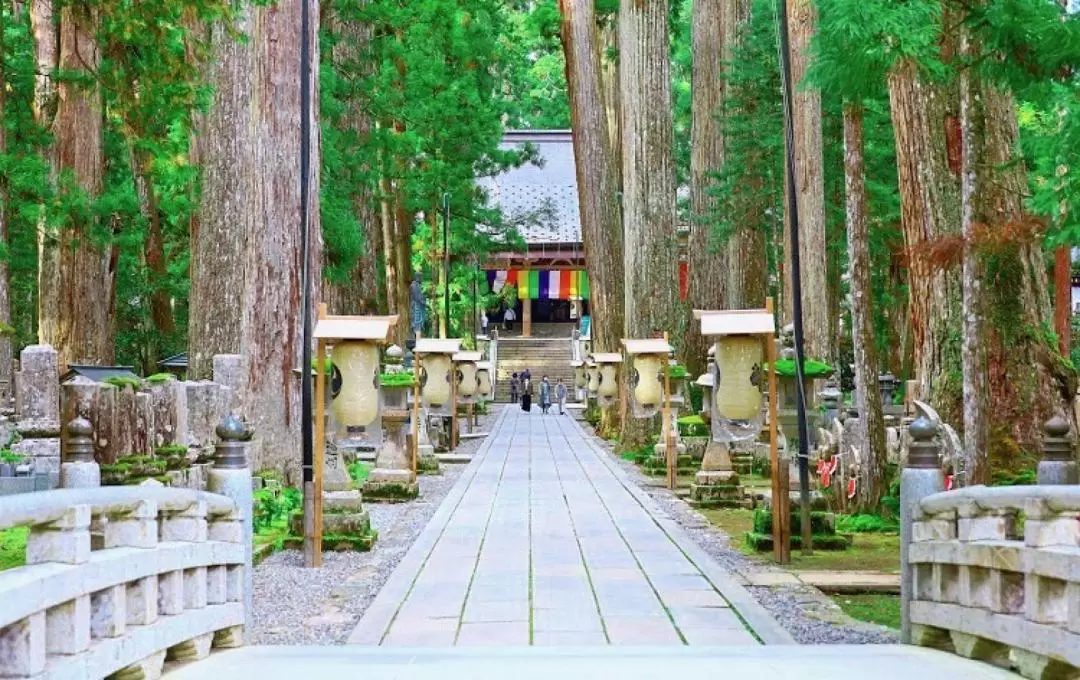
(79, 444)
(1058, 464)
(924, 451)
(229, 454)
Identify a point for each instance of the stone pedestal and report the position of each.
(392, 479)
(344, 517)
(427, 463)
(717, 484)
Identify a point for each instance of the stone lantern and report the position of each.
(607, 370)
(592, 379)
(648, 359)
(468, 385)
(484, 388)
(437, 392)
(355, 362)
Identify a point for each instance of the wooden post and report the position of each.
(668, 433)
(453, 404)
(416, 410)
(320, 444)
(781, 516)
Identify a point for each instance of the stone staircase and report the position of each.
(542, 356)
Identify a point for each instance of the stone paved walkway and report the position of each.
(545, 541)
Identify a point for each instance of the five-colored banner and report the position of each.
(536, 284)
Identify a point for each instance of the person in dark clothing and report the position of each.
(515, 388)
(526, 393)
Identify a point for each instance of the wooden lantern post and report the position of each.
(760, 323)
(330, 331)
(660, 350)
(447, 348)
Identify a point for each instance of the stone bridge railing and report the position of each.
(992, 573)
(121, 579)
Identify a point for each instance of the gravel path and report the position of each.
(298, 606)
(810, 616)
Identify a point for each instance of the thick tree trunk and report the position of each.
(598, 184)
(810, 191)
(874, 460)
(929, 203)
(246, 263)
(648, 172)
(973, 348)
(1027, 383)
(710, 34)
(746, 277)
(609, 84)
(6, 375)
(75, 263)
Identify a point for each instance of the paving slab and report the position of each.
(544, 538)
(578, 662)
(851, 581)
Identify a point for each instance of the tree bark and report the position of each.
(648, 172)
(598, 182)
(928, 206)
(609, 85)
(75, 264)
(810, 191)
(246, 282)
(973, 348)
(873, 460)
(711, 31)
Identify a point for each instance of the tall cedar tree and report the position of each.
(597, 178)
(648, 179)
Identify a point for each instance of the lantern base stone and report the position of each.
(656, 464)
(426, 462)
(710, 491)
(390, 492)
(345, 525)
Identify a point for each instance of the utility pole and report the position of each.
(796, 282)
(446, 264)
(306, 435)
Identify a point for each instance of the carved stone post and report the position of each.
(79, 469)
(231, 477)
(920, 478)
(1058, 464)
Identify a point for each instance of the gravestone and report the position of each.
(37, 410)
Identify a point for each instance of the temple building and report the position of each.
(541, 200)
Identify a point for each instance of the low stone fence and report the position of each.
(124, 579)
(995, 576)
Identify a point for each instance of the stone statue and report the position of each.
(418, 303)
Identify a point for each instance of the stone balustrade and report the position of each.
(121, 579)
(995, 576)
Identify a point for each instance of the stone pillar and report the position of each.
(37, 410)
(1058, 464)
(392, 479)
(79, 469)
(426, 462)
(920, 478)
(231, 477)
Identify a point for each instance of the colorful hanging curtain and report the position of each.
(512, 277)
(564, 285)
(500, 281)
(572, 285)
(523, 285)
(545, 286)
(584, 285)
(492, 275)
(554, 285)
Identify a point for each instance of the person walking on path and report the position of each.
(483, 323)
(526, 393)
(515, 388)
(560, 395)
(508, 318)
(545, 395)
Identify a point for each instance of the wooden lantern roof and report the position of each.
(577, 363)
(483, 365)
(705, 380)
(437, 346)
(649, 346)
(736, 322)
(369, 328)
(468, 357)
(607, 358)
